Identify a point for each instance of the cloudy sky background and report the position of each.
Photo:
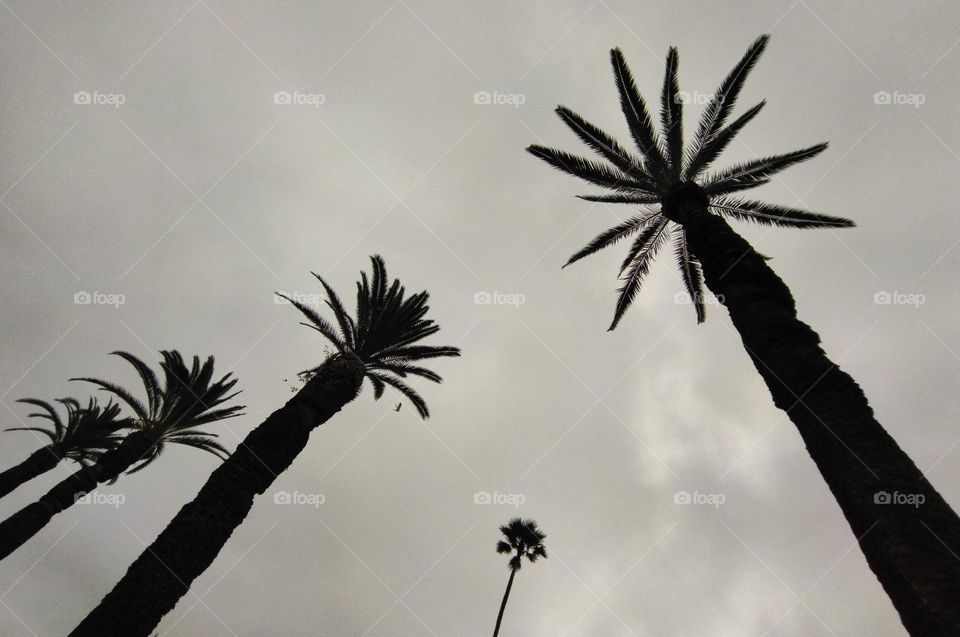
(199, 196)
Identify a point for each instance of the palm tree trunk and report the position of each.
(38, 462)
(164, 571)
(503, 604)
(28, 521)
(909, 535)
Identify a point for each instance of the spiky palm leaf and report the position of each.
(524, 539)
(662, 164)
(383, 333)
(87, 432)
(176, 408)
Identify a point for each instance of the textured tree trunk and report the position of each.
(40, 461)
(164, 571)
(503, 604)
(28, 521)
(909, 535)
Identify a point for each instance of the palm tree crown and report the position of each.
(664, 164)
(87, 432)
(175, 410)
(384, 333)
(524, 539)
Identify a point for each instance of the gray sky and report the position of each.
(199, 196)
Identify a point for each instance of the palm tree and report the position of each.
(174, 412)
(380, 342)
(87, 433)
(912, 550)
(523, 540)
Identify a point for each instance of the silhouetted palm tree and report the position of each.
(86, 433)
(912, 550)
(174, 412)
(380, 343)
(522, 540)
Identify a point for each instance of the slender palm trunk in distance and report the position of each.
(30, 520)
(37, 463)
(503, 604)
(164, 571)
(912, 548)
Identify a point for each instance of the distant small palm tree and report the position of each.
(380, 343)
(85, 434)
(174, 412)
(522, 539)
(912, 550)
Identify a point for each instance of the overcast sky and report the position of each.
(184, 193)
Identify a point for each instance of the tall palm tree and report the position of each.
(912, 550)
(522, 539)
(175, 412)
(85, 434)
(380, 342)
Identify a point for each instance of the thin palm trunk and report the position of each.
(163, 573)
(30, 520)
(909, 535)
(503, 604)
(37, 463)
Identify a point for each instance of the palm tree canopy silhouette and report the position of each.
(523, 538)
(384, 333)
(664, 164)
(87, 431)
(177, 408)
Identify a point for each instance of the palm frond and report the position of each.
(586, 169)
(721, 104)
(147, 459)
(48, 413)
(774, 215)
(409, 392)
(317, 322)
(339, 312)
(606, 146)
(638, 270)
(718, 142)
(612, 236)
(149, 379)
(138, 408)
(403, 369)
(671, 113)
(201, 443)
(759, 170)
(638, 117)
(690, 273)
(623, 198)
